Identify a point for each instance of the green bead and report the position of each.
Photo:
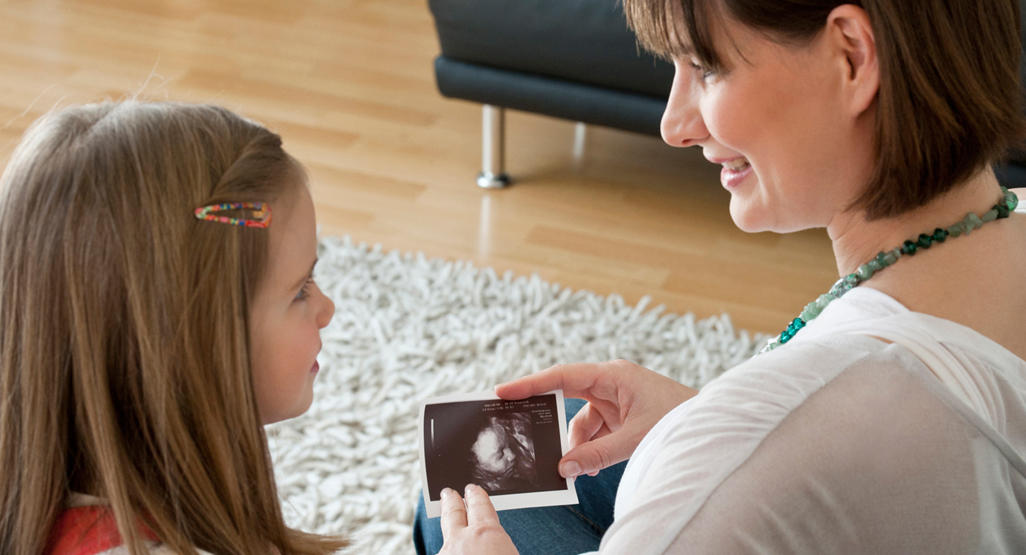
(885, 259)
(810, 312)
(939, 235)
(792, 328)
(990, 216)
(821, 302)
(843, 285)
(875, 265)
(1011, 201)
(957, 229)
(971, 222)
(908, 247)
(864, 272)
(1002, 210)
(924, 241)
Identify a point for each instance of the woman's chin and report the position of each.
(749, 223)
(746, 219)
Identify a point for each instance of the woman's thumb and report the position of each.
(590, 457)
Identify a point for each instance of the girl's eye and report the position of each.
(304, 292)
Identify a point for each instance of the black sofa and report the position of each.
(570, 59)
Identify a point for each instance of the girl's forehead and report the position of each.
(293, 240)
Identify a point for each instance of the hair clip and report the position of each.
(260, 213)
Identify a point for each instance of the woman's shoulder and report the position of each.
(698, 446)
(722, 425)
(874, 432)
(786, 376)
(790, 421)
(731, 417)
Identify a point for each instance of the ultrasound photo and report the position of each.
(509, 448)
(502, 457)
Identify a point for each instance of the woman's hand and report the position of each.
(473, 527)
(624, 402)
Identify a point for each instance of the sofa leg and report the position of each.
(493, 165)
(580, 140)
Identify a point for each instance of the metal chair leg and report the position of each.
(493, 171)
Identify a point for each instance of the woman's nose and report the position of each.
(682, 124)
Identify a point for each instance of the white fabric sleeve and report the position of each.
(855, 454)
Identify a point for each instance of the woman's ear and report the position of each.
(851, 34)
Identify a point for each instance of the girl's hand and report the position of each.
(624, 402)
(472, 528)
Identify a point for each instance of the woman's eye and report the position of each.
(706, 72)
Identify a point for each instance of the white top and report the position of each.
(840, 442)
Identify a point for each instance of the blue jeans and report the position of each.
(570, 529)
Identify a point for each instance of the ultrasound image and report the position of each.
(506, 447)
(502, 456)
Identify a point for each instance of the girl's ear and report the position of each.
(850, 32)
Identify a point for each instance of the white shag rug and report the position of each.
(407, 328)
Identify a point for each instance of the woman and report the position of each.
(890, 416)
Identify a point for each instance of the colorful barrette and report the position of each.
(259, 212)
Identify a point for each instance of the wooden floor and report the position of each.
(349, 85)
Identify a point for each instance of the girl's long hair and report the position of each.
(124, 333)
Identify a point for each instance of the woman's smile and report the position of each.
(734, 171)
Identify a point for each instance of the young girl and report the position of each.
(157, 307)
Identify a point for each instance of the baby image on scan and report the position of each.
(509, 448)
(502, 456)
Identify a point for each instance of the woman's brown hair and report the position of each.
(950, 101)
(124, 347)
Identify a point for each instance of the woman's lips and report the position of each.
(315, 368)
(734, 171)
(732, 177)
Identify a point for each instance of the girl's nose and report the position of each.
(682, 124)
(327, 310)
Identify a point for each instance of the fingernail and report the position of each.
(466, 490)
(570, 469)
(447, 493)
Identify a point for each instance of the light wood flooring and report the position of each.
(349, 84)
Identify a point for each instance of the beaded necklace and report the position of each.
(1002, 209)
